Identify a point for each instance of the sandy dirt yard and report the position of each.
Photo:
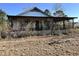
(65, 45)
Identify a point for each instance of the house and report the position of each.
(35, 20)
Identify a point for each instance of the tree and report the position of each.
(3, 21)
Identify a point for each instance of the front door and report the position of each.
(38, 25)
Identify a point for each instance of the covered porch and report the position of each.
(33, 25)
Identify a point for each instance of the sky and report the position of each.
(70, 9)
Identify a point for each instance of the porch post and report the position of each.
(51, 26)
(63, 24)
(72, 23)
(64, 27)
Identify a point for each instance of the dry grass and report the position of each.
(38, 46)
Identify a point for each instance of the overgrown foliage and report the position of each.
(3, 21)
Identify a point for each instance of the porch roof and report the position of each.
(43, 18)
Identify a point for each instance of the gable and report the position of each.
(33, 12)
